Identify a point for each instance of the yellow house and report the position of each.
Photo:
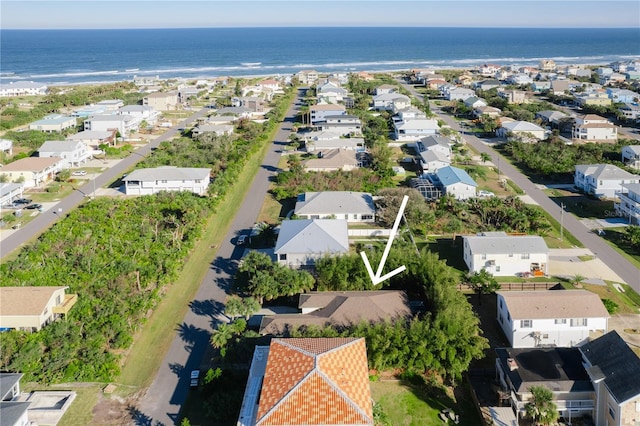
(32, 171)
(31, 308)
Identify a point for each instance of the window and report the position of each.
(525, 256)
(526, 323)
(612, 412)
(578, 322)
(282, 256)
(545, 336)
(497, 268)
(500, 319)
(367, 217)
(500, 303)
(560, 321)
(510, 254)
(484, 256)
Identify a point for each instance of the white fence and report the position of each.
(369, 233)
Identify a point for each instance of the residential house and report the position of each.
(629, 202)
(188, 92)
(630, 112)
(53, 123)
(94, 138)
(505, 255)
(513, 96)
(415, 129)
(330, 93)
(592, 98)
(523, 130)
(631, 156)
(486, 111)
(6, 146)
(253, 103)
(435, 83)
(13, 412)
(31, 171)
(391, 101)
(558, 369)
(459, 94)
(335, 159)
(432, 160)
(161, 101)
(475, 102)
(29, 308)
(343, 124)
(71, 153)
(433, 143)
(560, 87)
(614, 370)
(562, 318)
(320, 112)
(540, 86)
(354, 207)
(110, 105)
(23, 88)
(301, 242)
(321, 381)
(88, 110)
(489, 84)
(340, 309)
(141, 112)
(519, 79)
(124, 124)
(217, 129)
(592, 127)
(407, 114)
(9, 192)
(167, 178)
(385, 88)
(235, 112)
(602, 180)
(363, 75)
(622, 95)
(308, 77)
(270, 84)
(552, 117)
(547, 64)
(328, 140)
(489, 69)
(454, 182)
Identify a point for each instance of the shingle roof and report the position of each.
(31, 164)
(12, 412)
(167, 173)
(605, 172)
(313, 236)
(316, 382)
(553, 304)
(618, 363)
(451, 175)
(504, 244)
(334, 202)
(28, 300)
(521, 126)
(7, 382)
(59, 146)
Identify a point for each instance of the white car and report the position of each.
(79, 173)
(483, 193)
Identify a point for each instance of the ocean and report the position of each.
(90, 56)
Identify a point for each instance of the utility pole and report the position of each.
(562, 206)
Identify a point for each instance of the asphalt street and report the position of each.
(625, 269)
(163, 400)
(43, 221)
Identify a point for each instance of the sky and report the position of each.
(55, 14)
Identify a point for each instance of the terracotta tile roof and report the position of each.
(316, 382)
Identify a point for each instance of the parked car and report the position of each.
(242, 240)
(195, 379)
(79, 173)
(483, 193)
(35, 206)
(22, 201)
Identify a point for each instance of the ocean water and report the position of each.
(86, 56)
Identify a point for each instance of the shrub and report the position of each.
(612, 307)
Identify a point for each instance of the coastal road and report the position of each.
(44, 220)
(165, 397)
(625, 269)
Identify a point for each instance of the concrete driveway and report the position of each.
(566, 263)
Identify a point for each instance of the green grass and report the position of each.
(80, 411)
(628, 302)
(615, 238)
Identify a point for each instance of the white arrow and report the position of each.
(377, 279)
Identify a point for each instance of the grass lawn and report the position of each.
(582, 206)
(628, 302)
(615, 237)
(80, 412)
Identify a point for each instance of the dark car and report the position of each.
(34, 206)
(195, 379)
(22, 201)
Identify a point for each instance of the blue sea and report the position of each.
(88, 56)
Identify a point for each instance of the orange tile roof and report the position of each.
(320, 381)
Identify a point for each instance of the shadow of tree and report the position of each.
(176, 368)
(191, 334)
(138, 417)
(211, 308)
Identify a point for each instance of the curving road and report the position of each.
(625, 269)
(163, 400)
(43, 221)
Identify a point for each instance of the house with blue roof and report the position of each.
(454, 181)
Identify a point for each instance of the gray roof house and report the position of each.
(615, 373)
(301, 242)
(167, 178)
(454, 181)
(602, 180)
(12, 412)
(433, 160)
(72, 153)
(340, 308)
(351, 206)
(432, 142)
(551, 116)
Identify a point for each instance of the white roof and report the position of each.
(334, 202)
(167, 173)
(505, 244)
(522, 126)
(419, 124)
(313, 236)
(605, 172)
(90, 134)
(110, 118)
(59, 146)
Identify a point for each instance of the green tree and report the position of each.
(484, 157)
(541, 408)
(482, 282)
(241, 307)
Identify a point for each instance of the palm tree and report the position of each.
(540, 407)
(484, 157)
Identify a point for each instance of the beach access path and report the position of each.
(163, 401)
(598, 246)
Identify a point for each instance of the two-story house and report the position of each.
(320, 112)
(563, 318)
(592, 127)
(30, 308)
(631, 156)
(167, 178)
(161, 101)
(124, 124)
(31, 171)
(629, 202)
(72, 153)
(602, 180)
(53, 123)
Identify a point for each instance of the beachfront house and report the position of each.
(29, 308)
(602, 180)
(629, 202)
(71, 153)
(53, 123)
(505, 255)
(301, 242)
(167, 178)
(308, 77)
(23, 88)
(31, 171)
(161, 101)
(354, 207)
(594, 128)
(562, 318)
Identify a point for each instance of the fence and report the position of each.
(521, 286)
(369, 232)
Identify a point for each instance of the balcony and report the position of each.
(66, 305)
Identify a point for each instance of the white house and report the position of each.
(327, 140)
(433, 143)
(53, 123)
(629, 204)
(415, 129)
(630, 112)
(433, 160)
(523, 130)
(31, 171)
(505, 255)
(602, 180)
(124, 124)
(592, 127)
(559, 318)
(320, 112)
(391, 101)
(14, 412)
(72, 153)
(342, 124)
(217, 129)
(307, 76)
(9, 192)
(614, 370)
(94, 138)
(631, 156)
(167, 178)
(459, 94)
(455, 182)
(302, 242)
(30, 308)
(141, 112)
(350, 206)
(475, 102)
(161, 101)
(6, 146)
(111, 105)
(23, 88)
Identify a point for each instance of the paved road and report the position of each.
(43, 221)
(163, 400)
(625, 269)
